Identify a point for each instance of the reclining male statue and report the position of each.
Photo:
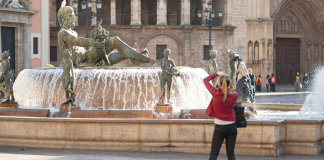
(68, 39)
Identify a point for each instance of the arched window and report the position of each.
(195, 5)
(148, 10)
(174, 12)
(105, 13)
(123, 12)
(218, 5)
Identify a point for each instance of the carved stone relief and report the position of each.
(309, 54)
(270, 51)
(15, 4)
(256, 51)
(289, 24)
(250, 51)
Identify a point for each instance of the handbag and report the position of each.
(240, 119)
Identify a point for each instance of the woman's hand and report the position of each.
(220, 74)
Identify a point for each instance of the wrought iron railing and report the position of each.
(173, 19)
(123, 19)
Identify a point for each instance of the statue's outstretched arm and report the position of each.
(73, 40)
(127, 52)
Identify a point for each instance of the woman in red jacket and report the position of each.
(221, 108)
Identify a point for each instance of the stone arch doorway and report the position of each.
(297, 38)
(156, 42)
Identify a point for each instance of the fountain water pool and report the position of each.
(110, 88)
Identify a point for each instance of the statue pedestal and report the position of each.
(165, 108)
(66, 108)
(9, 104)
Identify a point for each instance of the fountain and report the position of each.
(105, 93)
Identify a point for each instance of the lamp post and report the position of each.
(86, 12)
(209, 21)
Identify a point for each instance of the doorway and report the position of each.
(287, 59)
(8, 43)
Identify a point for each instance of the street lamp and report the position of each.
(86, 12)
(209, 21)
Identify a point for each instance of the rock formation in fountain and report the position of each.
(68, 39)
(212, 66)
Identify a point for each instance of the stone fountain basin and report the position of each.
(261, 138)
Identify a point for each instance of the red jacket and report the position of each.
(271, 80)
(216, 108)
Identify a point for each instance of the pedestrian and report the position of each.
(267, 82)
(306, 82)
(252, 82)
(297, 82)
(273, 81)
(258, 83)
(222, 109)
(243, 90)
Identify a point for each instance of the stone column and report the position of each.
(94, 9)
(113, 12)
(136, 12)
(161, 13)
(204, 6)
(0, 38)
(53, 15)
(185, 12)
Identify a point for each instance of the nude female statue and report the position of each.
(168, 70)
(212, 66)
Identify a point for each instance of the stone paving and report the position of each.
(281, 97)
(13, 153)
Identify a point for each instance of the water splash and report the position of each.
(115, 88)
(314, 103)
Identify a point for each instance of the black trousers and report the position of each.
(221, 132)
(267, 87)
(273, 87)
(258, 88)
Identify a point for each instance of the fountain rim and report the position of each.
(111, 67)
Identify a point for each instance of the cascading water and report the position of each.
(314, 103)
(113, 88)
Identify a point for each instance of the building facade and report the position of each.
(25, 32)
(272, 36)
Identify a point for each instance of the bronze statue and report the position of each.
(99, 34)
(68, 39)
(233, 57)
(68, 77)
(6, 78)
(212, 66)
(168, 70)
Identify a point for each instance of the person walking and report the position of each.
(306, 81)
(267, 82)
(221, 108)
(273, 81)
(258, 83)
(297, 82)
(252, 82)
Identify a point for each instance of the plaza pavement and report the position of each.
(14, 153)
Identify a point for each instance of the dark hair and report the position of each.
(268, 76)
(259, 76)
(272, 74)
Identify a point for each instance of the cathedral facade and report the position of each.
(272, 36)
